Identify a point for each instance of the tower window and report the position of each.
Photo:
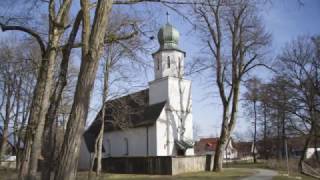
(168, 61)
(158, 65)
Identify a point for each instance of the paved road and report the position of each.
(262, 174)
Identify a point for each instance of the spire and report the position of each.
(167, 17)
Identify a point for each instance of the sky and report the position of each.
(284, 19)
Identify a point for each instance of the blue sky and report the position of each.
(284, 19)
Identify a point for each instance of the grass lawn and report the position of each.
(228, 173)
(282, 174)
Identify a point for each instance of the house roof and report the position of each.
(244, 147)
(205, 145)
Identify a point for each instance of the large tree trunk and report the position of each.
(68, 159)
(50, 129)
(226, 128)
(42, 92)
(218, 156)
(92, 43)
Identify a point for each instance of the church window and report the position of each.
(168, 61)
(126, 146)
(158, 65)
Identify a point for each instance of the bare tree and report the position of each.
(299, 61)
(18, 71)
(252, 97)
(41, 96)
(236, 39)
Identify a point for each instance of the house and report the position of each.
(245, 150)
(152, 122)
(208, 146)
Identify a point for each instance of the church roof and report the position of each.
(129, 111)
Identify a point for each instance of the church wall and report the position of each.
(84, 159)
(130, 142)
(168, 129)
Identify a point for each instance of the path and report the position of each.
(262, 174)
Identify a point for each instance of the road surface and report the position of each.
(262, 174)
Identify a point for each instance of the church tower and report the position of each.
(169, 59)
(174, 129)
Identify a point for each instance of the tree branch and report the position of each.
(28, 31)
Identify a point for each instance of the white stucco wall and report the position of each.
(176, 68)
(115, 142)
(311, 152)
(177, 93)
(84, 159)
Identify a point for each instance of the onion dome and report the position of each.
(168, 37)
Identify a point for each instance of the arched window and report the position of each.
(158, 64)
(126, 146)
(168, 61)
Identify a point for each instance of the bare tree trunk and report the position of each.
(49, 134)
(283, 135)
(92, 41)
(104, 98)
(226, 128)
(265, 131)
(25, 110)
(15, 126)
(255, 132)
(305, 148)
(42, 93)
(5, 130)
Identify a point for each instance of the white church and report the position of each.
(153, 122)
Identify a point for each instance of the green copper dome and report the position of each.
(168, 37)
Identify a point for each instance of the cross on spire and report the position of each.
(167, 17)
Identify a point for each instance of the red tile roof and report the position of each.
(206, 144)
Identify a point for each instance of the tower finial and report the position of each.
(167, 17)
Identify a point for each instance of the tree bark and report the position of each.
(265, 131)
(255, 132)
(5, 130)
(91, 51)
(227, 127)
(42, 92)
(104, 99)
(49, 129)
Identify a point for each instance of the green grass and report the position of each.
(227, 174)
(284, 176)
